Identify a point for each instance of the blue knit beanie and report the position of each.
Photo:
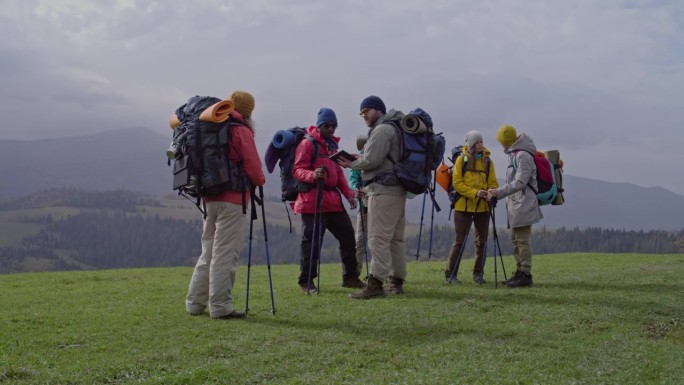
(373, 102)
(326, 115)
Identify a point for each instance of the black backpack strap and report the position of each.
(465, 165)
(314, 155)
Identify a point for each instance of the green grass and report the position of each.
(589, 319)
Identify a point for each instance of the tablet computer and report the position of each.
(342, 154)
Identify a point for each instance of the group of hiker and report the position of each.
(374, 190)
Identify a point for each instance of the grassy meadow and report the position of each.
(589, 319)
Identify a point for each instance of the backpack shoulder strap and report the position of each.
(397, 127)
(515, 167)
(314, 154)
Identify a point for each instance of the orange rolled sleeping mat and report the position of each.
(174, 121)
(216, 113)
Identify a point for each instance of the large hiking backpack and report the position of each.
(422, 151)
(283, 149)
(547, 189)
(446, 173)
(557, 163)
(199, 153)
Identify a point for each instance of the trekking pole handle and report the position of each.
(318, 171)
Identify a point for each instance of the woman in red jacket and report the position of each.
(223, 232)
(311, 165)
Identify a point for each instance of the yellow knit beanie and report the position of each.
(506, 135)
(244, 103)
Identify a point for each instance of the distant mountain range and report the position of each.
(131, 158)
(134, 159)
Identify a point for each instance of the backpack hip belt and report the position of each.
(385, 179)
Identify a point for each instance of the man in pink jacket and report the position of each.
(223, 235)
(311, 165)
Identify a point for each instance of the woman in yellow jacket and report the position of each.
(471, 206)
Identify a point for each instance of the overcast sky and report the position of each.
(601, 81)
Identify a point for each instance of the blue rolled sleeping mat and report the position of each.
(281, 139)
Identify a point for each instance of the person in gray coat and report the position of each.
(386, 199)
(522, 207)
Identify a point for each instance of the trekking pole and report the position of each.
(249, 248)
(312, 250)
(460, 253)
(319, 202)
(319, 196)
(495, 239)
(494, 242)
(432, 223)
(484, 251)
(268, 255)
(420, 229)
(454, 271)
(363, 237)
(496, 278)
(484, 259)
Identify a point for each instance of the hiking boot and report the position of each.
(354, 282)
(310, 289)
(453, 280)
(515, 276)
(372, 290)
(233, 315)
(524, 279)
(478, 280)
(447, 276)
(396, 286)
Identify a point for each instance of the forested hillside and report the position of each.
(71, 229)
(561, 240)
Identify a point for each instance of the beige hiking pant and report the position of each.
(386, 220)
(521, 237)
(361, 236)
(214, 276)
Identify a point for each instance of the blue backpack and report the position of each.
(422, 151)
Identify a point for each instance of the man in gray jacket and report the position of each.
(386, 199)
(522, 207)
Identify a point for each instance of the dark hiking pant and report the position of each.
(462, 223)
(340, 226)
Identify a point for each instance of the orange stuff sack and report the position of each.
(443, 175)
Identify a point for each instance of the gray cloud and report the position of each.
(598, 80)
